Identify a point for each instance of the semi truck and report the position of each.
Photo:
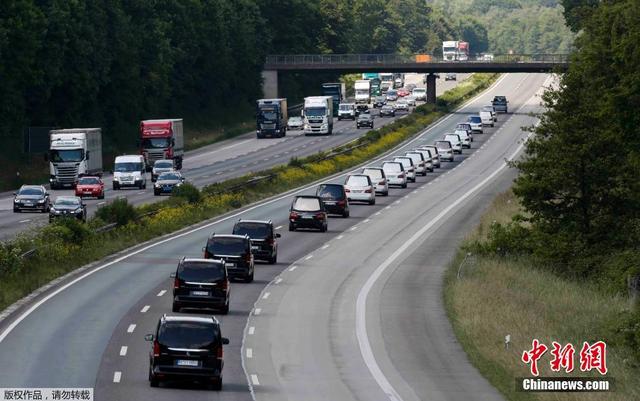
(463, 51)
(386, 81)
(450, 50)
(338, 91)
(398, 80)
(318, 115)
(363, 91)
(74, 153)
(271, 118)
(375, 87)
(162, 139)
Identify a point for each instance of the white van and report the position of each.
(487, 118)
(129, 171)
(419, 93)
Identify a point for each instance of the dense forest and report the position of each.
(521, 26)
(110, 63)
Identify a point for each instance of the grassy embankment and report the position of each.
(67, 245)
(497, 296)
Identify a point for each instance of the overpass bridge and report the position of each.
(359, 63)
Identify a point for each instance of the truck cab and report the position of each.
(271, 118)
(318, 115)
(162, 139)
(73, 153)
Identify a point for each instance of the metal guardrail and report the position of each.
(395, 59)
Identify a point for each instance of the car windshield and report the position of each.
(188, 335)
(461, 133)
(269, 115)
(358, 181)
(364, 117)
(392, 167)
(62, 156)
(464, 126)
(443, 145)
(419, 90)
(156, 143)
(330, 191)
(31, 191)
(163, 164)
(199, 272)
(426, 153)
(374, 173)
(314, 111)
(306, 204)
(499, 99)
(253, 230)
(169, 177)
(67, 202)
(226, 246)
(345, 107)
(295, 119)
(127, 167)
(392, 93)
(475, 119)
(88, 181)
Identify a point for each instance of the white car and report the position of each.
(465, 138)
(487, 118)
(409, 168)
(455, 141)
(394, 171)
(402, 105)
(476, 124)
(445, 150)
(418, 162)
(426, 155)
(419, 93)
(347, 111)
(411, 100)
(379, 179)
(161, 166)
(360, 188)
(435, 157)
(295, 122)
(493, 112)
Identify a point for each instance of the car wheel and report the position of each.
(175, 307)
(404, 185)
(292, 227)
(115, 187)
(225, 309)
(386, 193)
(156, 193)
(101, 196)
(217, 384)
(372, 201)
(17, 210)
(274, 259)
(153, 381)
(249, 278)
(345, 214)
(323, 229)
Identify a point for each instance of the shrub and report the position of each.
(119, 211)
(189, 192)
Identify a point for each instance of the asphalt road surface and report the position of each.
(352, 314)
(215, 163)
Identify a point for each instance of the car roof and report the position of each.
(201, 260)
(32, 186)
(372, 168)
(254, 221)
(307, 196)
(128, 158)
(330, 184)
(199, 319)
(214, 235)
(89, 176)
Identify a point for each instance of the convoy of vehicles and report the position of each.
(360, 188)
(271, 118)
(201, 284)
(235, 251)
(162, 139)
(308, 212)
(318, 115)
(73, 153)
(264, 239)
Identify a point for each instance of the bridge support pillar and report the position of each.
(431, 88)
(270, 84)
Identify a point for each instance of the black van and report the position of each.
(264, 243)
(334, 198)
(235, 250)
(187, 348)
(202, 284)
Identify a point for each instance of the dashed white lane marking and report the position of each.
(131, 328)
(257, 311)
(101, 203)
(388, 207)
(254, 380)
(141, 193)
(292, 268)
(354, 228)
(219, 172)
(279, 227)
(252, 330)
(278, 280)
(377, 213)
(325, 246)
(244, 165)
(266, 295)
(25, 221)
(117, 376)
(340, 236)
(249, 353)
(308, 257)
(278, 155)
(123, 350)
(366, 220)
(145, 309)
(161, 293)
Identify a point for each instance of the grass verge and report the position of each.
(499, 296)
(67, 245)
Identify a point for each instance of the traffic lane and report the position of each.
(47, 320)
(317, 306)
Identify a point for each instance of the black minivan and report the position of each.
(264, 244)
(201, 284)
(187, 348)
(334, 198)
(235, 250)
(307, 212)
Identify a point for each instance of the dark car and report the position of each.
(201, 284)
(187, 348)
(264, 243)
(68, 206)
(500, 104)
(235, 250)
(307, 212)
(31, 197)
(387, 111)
(364, 120)
(450, 76)
(362, 109)
(379, 101)
(334, 198)
(465, 127)
(166, 182)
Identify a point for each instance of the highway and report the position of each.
(215, 163)
(352, 314)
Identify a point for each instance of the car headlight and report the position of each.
(307, 126)
(55, 211)
(16, 200)
(41, 201)
(78, 210)
(116, 179)
(179, 184)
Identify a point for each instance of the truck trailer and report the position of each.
(363, 91)
(74, 153)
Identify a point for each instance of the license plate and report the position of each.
(307, 217)
(357, 191)
(231, 265)
(200, 293)
(329, 203)
(87, 192)
(187, 362)
(255, 248)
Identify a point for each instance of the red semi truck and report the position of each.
(162, 139)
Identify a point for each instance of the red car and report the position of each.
(91, 187)
(403, 92)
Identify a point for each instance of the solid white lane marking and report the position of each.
(266, 295)
(131, 328)
(141, 193)
(145, 309)
(161, 293)
(101, 203)
(279, 227)
(123, 350)
(292, 268)
(308, 257)
(257, 311)
(25, 221)
(117, 376)
(252, 330)
(249, 353)
(278, 280)
(254, 380)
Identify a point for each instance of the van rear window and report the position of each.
(201, 272)
(188, 335)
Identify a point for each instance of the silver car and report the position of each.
(161, 166)
(476, 123)
(435, 157)
(360, 188)
(465, 138)
(394, 171)
(493, 112)
(445, 150)
(419, 162)
(410, 169)
(428, 159)
(379, 179)
(456, 142)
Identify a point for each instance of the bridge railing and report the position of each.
(395, 59)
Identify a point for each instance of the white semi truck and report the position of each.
(363, 91)
(318, 115)
(74, 153)
(450, 50)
